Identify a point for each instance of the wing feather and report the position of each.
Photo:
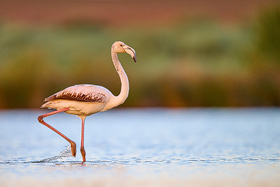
(84, 93)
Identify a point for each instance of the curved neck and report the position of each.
(124, 81)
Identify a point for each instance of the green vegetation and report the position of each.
(197, 63)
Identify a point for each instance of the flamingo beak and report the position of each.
(134, 58)
(131, 52)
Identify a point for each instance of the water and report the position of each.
(148, 147)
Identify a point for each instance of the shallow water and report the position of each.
(154, 147)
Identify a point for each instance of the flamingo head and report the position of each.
(120, 47)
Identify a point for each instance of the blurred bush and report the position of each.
(194, 63)
(268, 35)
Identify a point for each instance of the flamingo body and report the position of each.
(82, 100)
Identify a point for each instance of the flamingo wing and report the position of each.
(84, 93)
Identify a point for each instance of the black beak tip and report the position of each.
(134, 58)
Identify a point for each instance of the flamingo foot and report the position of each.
(73, 149)
(83, 152)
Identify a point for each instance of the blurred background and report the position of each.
(190, 53)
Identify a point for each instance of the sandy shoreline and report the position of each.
(231, 176)
(132, 181)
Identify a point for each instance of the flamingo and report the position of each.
(85, 99)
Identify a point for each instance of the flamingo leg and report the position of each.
(83, 152)
(40, 119)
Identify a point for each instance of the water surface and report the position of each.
(156, 147)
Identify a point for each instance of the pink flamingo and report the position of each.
(86, 99)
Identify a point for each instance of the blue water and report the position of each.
(142, 143)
